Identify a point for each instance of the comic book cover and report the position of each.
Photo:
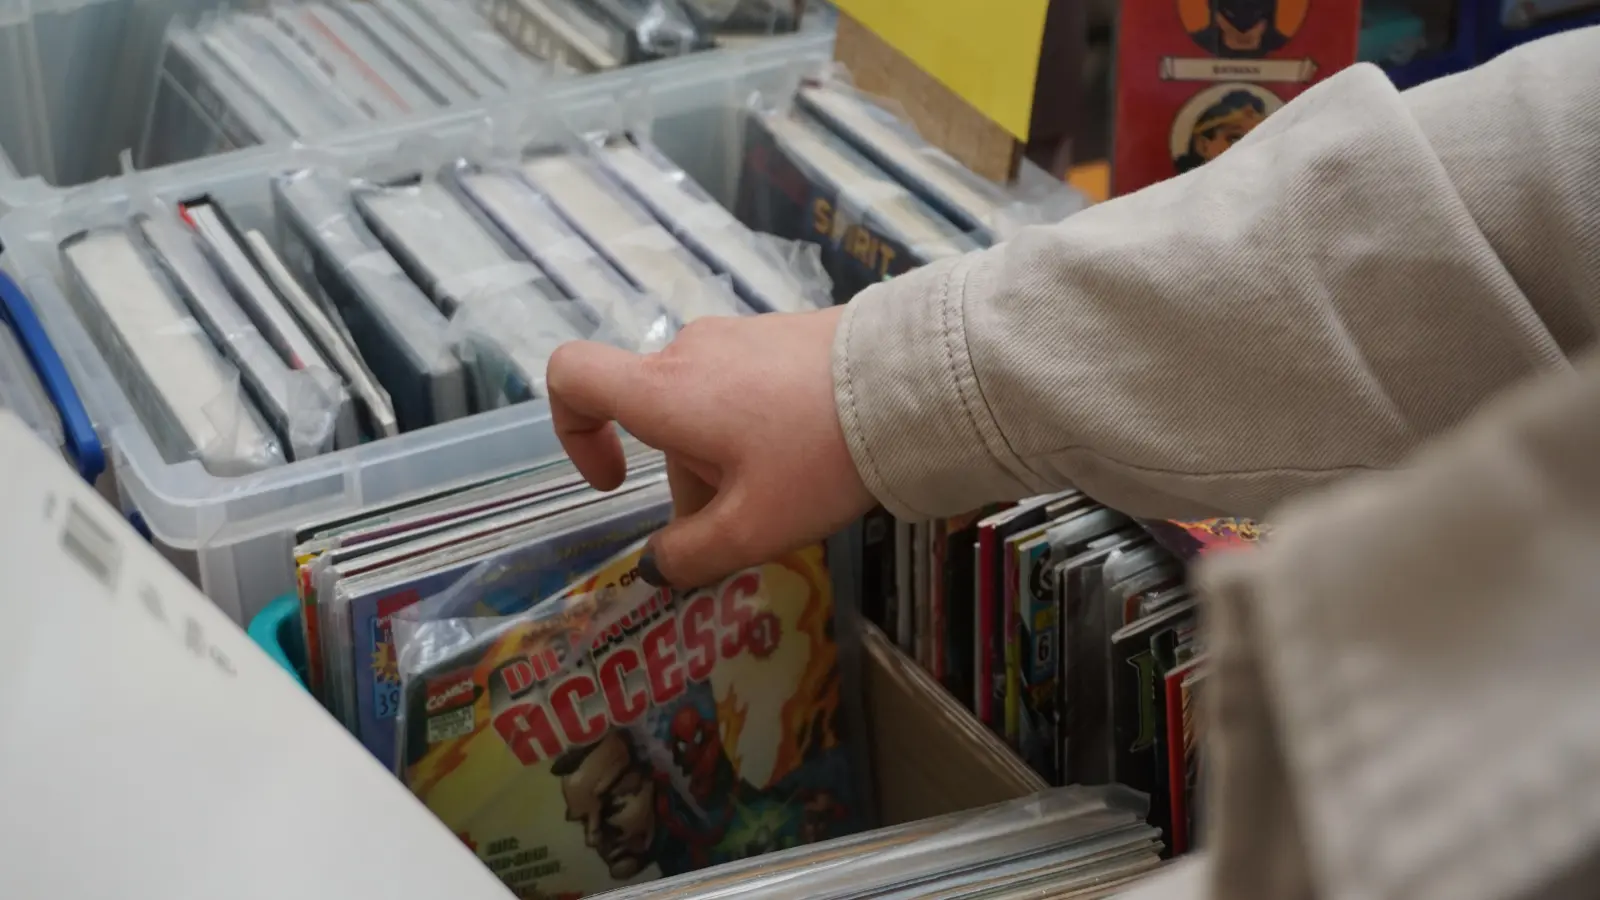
(957, 579)
(1193, 77)
(1140, 656)
(414, 512)
(802, 182)
(1182, 748)
(1090, 615)
(993, 533)
(622, 733)
(411, 539)
(1075, 538)
(1038, 627)
(878, 567)
(1189, 540)
(1015, 606)
(558, 560)
(937, 609)
(1192, 686)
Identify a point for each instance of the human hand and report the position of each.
(743, 409)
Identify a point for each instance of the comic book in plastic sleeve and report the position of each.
(1193, 77)
(802, 182)
(618, 733)
(1183, 748)
(557, 549)
(1190, 539)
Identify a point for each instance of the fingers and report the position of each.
(703, 547)
(690, 492)
(590, 386)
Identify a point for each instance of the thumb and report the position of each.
(701, 548)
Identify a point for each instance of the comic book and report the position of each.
(992, 626)
(619, 733)
(1040, 636)
(1189, 540)
(1014, 606)
(408, 538)
(311, 541)
(1141, 653)
(802, 182)
(957, 579)
(1193, 77)
(1183, 749)
(558, 551)
(877, 565)
(938, 597)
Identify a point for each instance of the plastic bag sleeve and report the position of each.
(399, 332)
(629, 236)
(177, 381)
(769, 274)
(618, 312)
(990, 211)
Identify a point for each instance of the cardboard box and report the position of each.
(929, 755)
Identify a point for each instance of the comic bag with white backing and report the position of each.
(617, 732)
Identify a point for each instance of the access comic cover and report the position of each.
(688, 729)
(1194, 77)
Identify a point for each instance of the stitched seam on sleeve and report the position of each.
(874, 473)
(972, 399)
(1228, 473)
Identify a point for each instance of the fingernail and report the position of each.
(648, 569)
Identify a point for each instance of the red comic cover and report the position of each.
(1195, 76)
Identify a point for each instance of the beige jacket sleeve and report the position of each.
(1401, 698)
(1356, 275)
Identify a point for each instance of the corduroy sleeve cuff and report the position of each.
(922, 438)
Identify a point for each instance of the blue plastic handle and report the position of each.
(82, 442)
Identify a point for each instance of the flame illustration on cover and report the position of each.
(621, 733)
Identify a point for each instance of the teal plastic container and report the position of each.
(276, 629)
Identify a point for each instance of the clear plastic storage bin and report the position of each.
(76, 79)
(240, 529)
(79, 80)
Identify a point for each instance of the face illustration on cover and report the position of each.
(1241, 29)
(1216, 119)
(630, 810)
(610, 790)
(697, 749)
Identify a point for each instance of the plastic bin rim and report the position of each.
(179, 493)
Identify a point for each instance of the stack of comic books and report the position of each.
(832, 166)
(306, 68)
(1077, 843)
(494, 646)
(606, 737)
(379, 306)
(1068, 629)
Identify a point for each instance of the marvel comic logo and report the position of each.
(449, 693)
(451, 725)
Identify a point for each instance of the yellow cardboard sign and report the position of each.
(986, 51)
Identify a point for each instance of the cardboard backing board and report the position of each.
(929, 755)
(959, 128)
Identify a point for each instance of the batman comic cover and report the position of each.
(690, 729)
